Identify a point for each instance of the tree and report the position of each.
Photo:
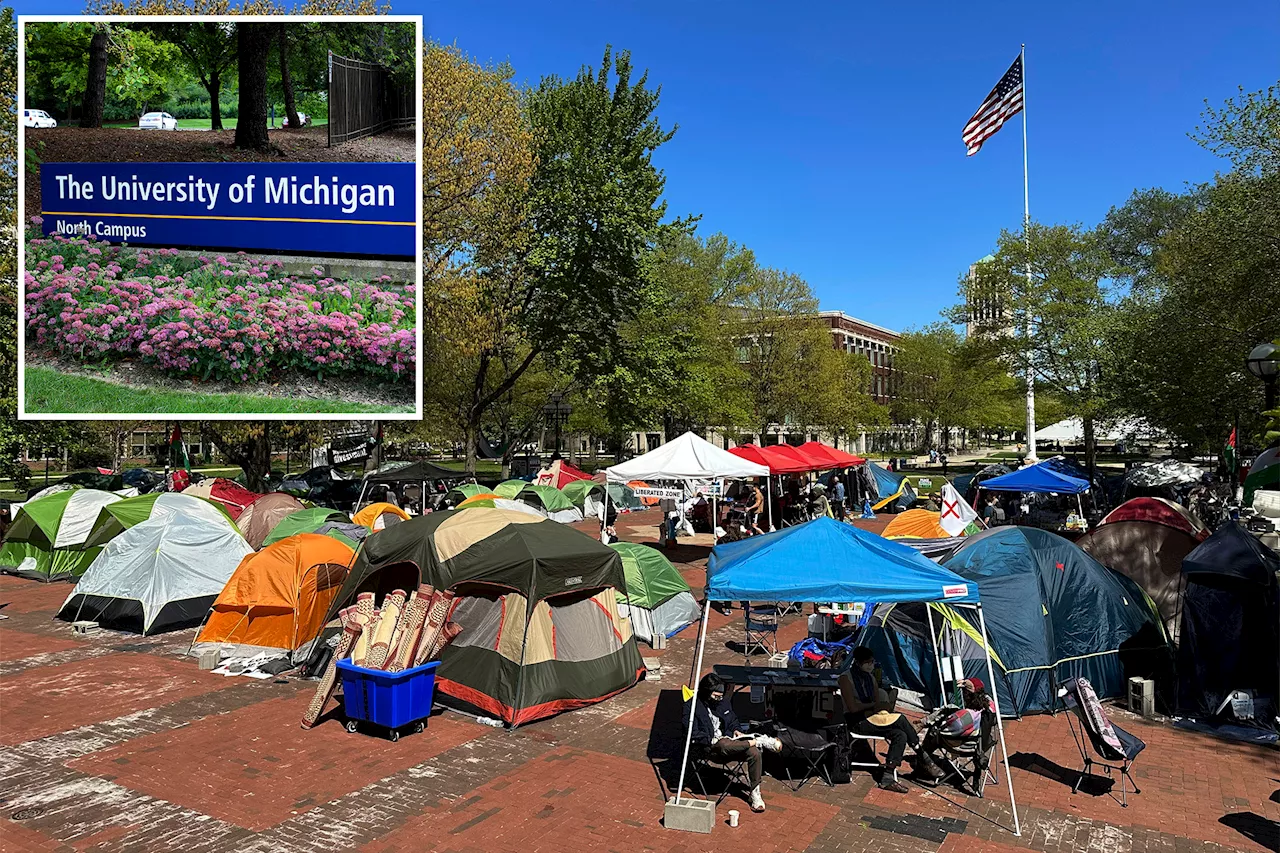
(1063, 310)
(253, 43)
(1245, 130)
(286, 83)
(95, 90)
(209, 51)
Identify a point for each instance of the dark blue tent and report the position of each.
(1230, 624)
(1053, 613)
(1037, 478)
(894, 491)
(827, 560)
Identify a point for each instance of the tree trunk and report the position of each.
(215, 107)
(253, 43)
(95, 87)
(472, 432)
(1090, 446)
(286, 82)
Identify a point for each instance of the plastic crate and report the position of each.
(389, 699)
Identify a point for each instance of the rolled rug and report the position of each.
(350, 631)
(397, 637)
(411, 621)
(369, 627)
(446, 636)
(381, 644)
(437, 616)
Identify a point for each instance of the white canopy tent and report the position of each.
(686, 459)
(1071, 430)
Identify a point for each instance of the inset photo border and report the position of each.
(221, 217)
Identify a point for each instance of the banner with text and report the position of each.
(321, 208)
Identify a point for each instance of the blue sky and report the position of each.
(826, 137)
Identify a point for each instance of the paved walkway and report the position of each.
(115, 742)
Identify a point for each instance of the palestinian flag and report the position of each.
(1229, 459)
(176, 441)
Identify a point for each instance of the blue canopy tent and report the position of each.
(1036, 478)
(825, 560)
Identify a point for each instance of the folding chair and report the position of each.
(733, 769)
(1110, 742)
(966, 758)
(761, 630)
(807, 748)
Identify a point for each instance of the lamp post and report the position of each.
(558, 410)
(1264, 363)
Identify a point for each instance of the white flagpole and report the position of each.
(1026, 231)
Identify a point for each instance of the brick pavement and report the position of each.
(114, 742)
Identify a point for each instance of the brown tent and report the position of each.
(1150, 554)
(260, 517)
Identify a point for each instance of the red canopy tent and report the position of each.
(776, 457)
(790, 459)
(831, 457)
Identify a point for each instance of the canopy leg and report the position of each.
(693, 684)
(995, 697)
(937, 657)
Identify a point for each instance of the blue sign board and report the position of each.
(314, 208)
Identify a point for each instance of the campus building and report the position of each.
(987, 306)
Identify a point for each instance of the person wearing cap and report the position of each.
(869, 703)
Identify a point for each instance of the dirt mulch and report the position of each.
(128, 145)
(296, 386)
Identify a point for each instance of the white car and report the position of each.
(37, 118)
(302, 120)
(157, 121)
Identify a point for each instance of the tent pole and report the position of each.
(697, 668)
(604, 515)
(995, 697)
(768, 485)
(937, 656)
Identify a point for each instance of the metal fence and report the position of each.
(365, 99)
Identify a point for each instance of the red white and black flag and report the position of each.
(1004, 102)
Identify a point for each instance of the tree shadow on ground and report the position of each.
(1032, 762)
(1254, 827)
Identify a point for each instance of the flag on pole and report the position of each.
(176, 440)
(1004, 102)
(956, 515)
(1229, 457)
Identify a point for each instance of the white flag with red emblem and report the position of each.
(956, 514)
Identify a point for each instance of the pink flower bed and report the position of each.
(215, 317)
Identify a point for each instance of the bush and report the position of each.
(212, 317)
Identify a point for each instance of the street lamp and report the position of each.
(1264, 363)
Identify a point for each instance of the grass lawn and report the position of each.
(203, 123)
(50, 391)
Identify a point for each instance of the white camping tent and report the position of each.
(159, 575)
(688, 459)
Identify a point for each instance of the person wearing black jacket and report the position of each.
(717, 731)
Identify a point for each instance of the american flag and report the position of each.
(1004, 102)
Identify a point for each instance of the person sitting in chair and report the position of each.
(716, 730)
(869, 703)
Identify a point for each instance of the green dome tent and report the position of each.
(624, 498)
(578, 491)
(509, 488)
(461, 492)
(116, 518)
(309, 521)
(657, 600)
(48, 539)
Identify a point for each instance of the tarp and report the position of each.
(825, 560)
(115, 518)
(1037, 478)
(686, 458)
(261, 516)
(48, 539)
(1167, 472)
(657, 600)
(541, 632)
(303, 521)
(278, 597)
(1230, 623)
(159, 575)
(231, 495)
(1053, 613)
(414, 472)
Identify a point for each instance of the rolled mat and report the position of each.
(391, 607)
(350, 631)
(368, 621)
(414, 615)
(447, 635)
(437, 615)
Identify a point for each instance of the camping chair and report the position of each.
(1110, 742)
(966, 758)
(761, 629)
(733, 769)
(808, 749)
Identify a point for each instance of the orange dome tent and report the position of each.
(915, 524)
(378, 516)
(278, 597)
(641, 484)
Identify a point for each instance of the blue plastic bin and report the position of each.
(390, 699)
